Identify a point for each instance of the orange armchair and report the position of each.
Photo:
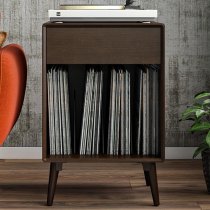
(13, 73)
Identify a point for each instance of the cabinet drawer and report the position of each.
(103, 45)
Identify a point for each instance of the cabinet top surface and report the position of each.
(67, 24)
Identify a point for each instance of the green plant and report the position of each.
(199, 113)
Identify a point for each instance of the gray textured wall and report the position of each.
(187, 59)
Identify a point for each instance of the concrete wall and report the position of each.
(187, 60)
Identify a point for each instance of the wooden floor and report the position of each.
(23, 185)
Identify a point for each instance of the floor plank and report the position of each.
(23, 185)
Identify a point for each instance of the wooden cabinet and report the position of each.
(103, 43)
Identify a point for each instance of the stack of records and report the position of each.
(119, 131)
(91, 122)
(59, 110)
(147, 108)
(141, 137)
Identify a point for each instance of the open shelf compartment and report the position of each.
(77, 75)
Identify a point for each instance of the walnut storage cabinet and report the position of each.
(102, 43)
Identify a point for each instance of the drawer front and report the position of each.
(103, 45)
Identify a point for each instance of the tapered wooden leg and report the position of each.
(146, 176)
(151, 180)
(54, 171)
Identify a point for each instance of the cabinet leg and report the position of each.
(146, 176)
(54, 171)
(151, 180)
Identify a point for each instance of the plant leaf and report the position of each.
(207, 101)
(208, 138)
(200, 126)
(190, 118)
(200, 149)
(188, 112)
(201, 95)
(200, 113)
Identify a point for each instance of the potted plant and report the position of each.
(199, 114)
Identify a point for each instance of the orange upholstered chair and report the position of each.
(13, 72)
